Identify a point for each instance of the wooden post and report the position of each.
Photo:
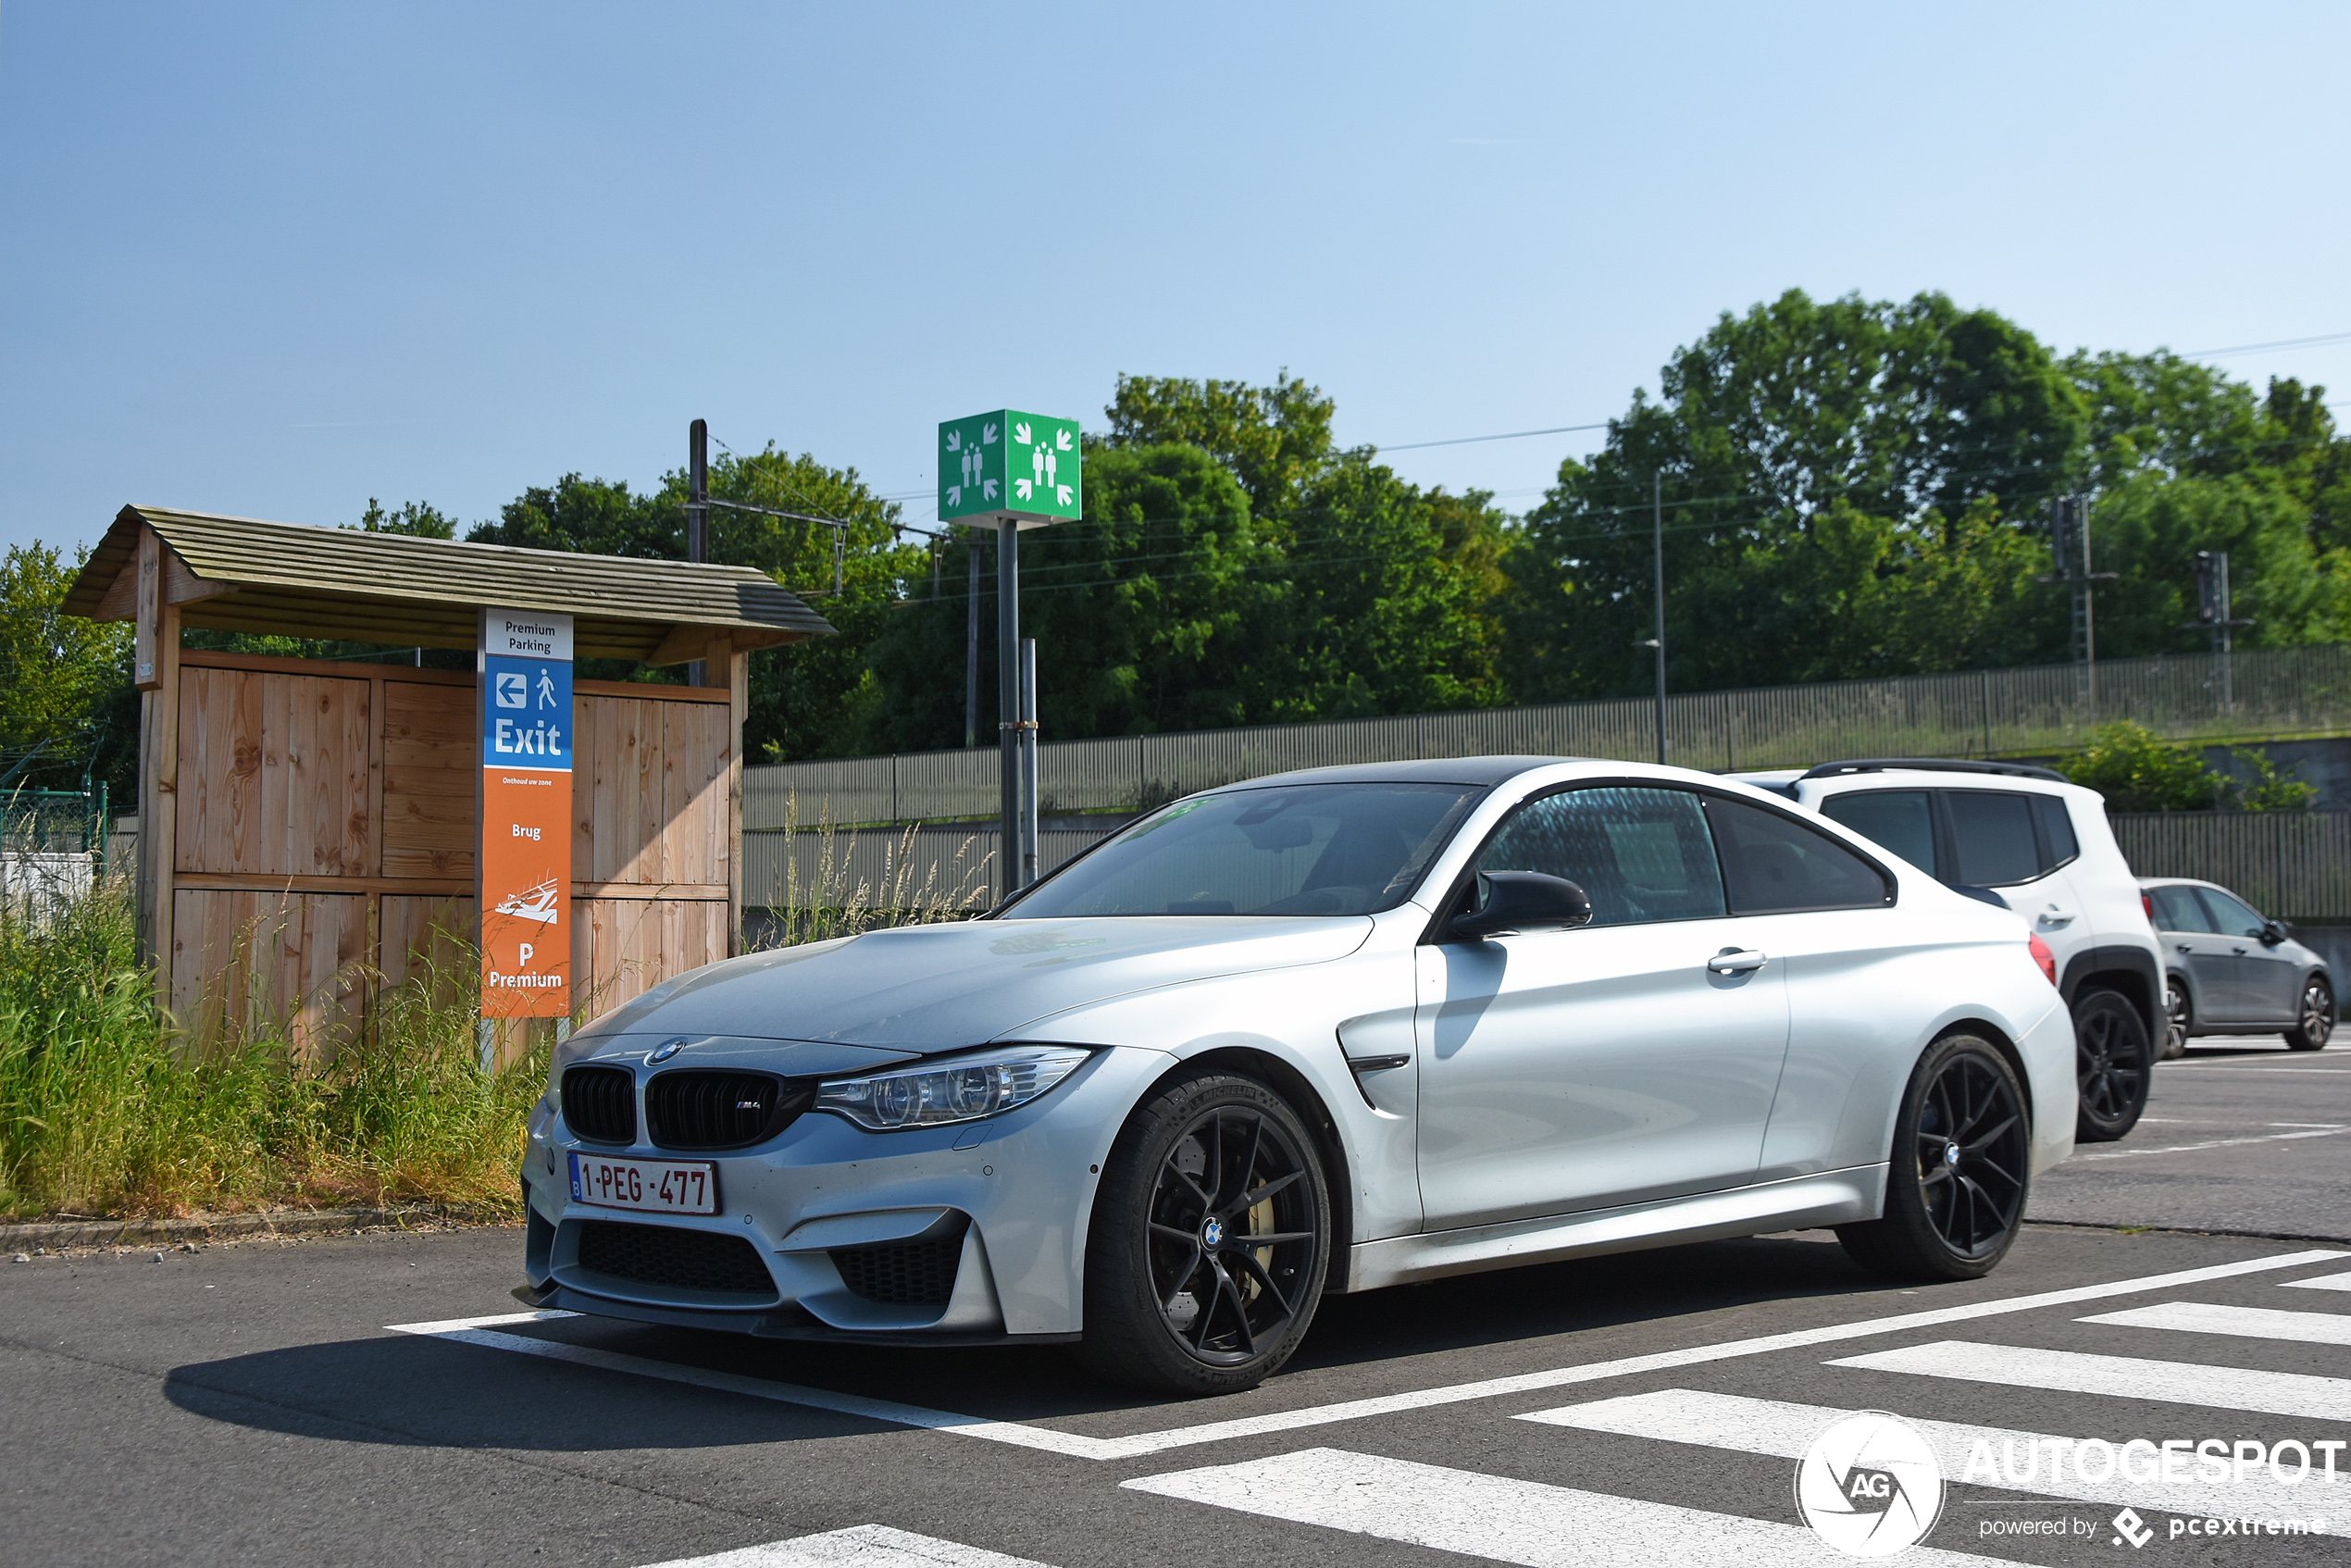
(155, 658)
(722, 656)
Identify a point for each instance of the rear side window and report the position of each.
(2057, 830)
(1992, 838)
(1772, 864)
(1638, 854)
(1903, 820)
(2177, 909)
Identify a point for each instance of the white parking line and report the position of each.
(1785, 1431)
(2244, 1323)
(2125, 1377)
(1077, 1446)
(1069, 1443)
(861, 1545)
(1495, 1517)
(2322, 1282)
(2215, 1143)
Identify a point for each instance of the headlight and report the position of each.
(962, 1088)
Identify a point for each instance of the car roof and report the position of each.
(1478, 771)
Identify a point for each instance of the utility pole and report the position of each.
(2070, 548)
(971, 643)
(1657, 571)
(697, 514)
(1027, 761)
(2212, 615)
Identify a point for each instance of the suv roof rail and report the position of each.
(1938, 765)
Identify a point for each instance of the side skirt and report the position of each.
(1797, 1204)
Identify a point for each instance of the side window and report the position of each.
(2177, 909)
(1638, 854)
(1772, 864)
(1992, 835)
(2057, 830)
(2231, 917)
(1903, 820)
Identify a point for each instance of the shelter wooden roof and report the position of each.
(242, 574)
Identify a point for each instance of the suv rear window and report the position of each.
(1971, 837)
(1903, 820)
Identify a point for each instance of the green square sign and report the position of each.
(1024, 467)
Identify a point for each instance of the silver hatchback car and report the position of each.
(2230, 970)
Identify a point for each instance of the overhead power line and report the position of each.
(2282, 343)
(1506, 435)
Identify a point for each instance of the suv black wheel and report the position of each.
(2316, 1020)
(2111, 1064)
(1955, 1183)
(1210, 1239)
(2178, 1018)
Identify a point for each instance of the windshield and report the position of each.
(1291, 849)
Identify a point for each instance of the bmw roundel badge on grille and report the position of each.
(663, 1052)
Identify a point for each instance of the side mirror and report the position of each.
(1521, 900)
(2274, 931)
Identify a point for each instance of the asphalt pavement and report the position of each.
(381, 1399)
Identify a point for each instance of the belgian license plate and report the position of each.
(668, 1187)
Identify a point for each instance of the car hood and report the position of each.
(937, 988)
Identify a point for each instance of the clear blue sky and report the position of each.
(275, 260)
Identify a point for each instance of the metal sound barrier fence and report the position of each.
(2272, 693)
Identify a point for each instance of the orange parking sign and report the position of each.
(524, 856)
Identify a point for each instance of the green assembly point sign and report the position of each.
(1024, 467)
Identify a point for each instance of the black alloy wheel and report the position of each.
(1957, 1183)
(2314, 1020)
(2112, 1065)
(2177, 1018)
(1210, 1241)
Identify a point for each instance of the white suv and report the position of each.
(2023, 838)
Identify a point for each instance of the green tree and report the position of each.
(412, 517)
(67, 711)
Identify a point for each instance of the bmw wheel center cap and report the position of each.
(1212, 1233)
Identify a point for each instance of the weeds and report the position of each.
(105, 1110)
(837, 896)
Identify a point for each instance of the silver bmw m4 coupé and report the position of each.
(1320, 1032)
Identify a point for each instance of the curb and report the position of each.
(212, 1227)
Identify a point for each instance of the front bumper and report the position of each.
(959, 1234)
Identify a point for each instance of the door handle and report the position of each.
(2238, 950)
(2053, 916)
(2184, 947)
(1736, 960)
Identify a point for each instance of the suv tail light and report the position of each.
(2147, 902)
(2044, 957)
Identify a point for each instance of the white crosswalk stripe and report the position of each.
(2126, 1378)
(2021, 1461)
(862, 1546)
(2244, 1323)
(1503, 1520)
(2322, 1282)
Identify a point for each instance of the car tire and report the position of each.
(1956, 1185)
(2179, 1018)
(2113, 1065)
(2317, 1021)
(1177, 1301)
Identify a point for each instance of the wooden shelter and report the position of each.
(307, 826)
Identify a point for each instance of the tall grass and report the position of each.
(105, 1109)
(833, 900)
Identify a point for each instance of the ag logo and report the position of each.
(1868, 1485)
(513, 691)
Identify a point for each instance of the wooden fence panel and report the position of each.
(429, 752)
(273, 775)
(248, 962)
